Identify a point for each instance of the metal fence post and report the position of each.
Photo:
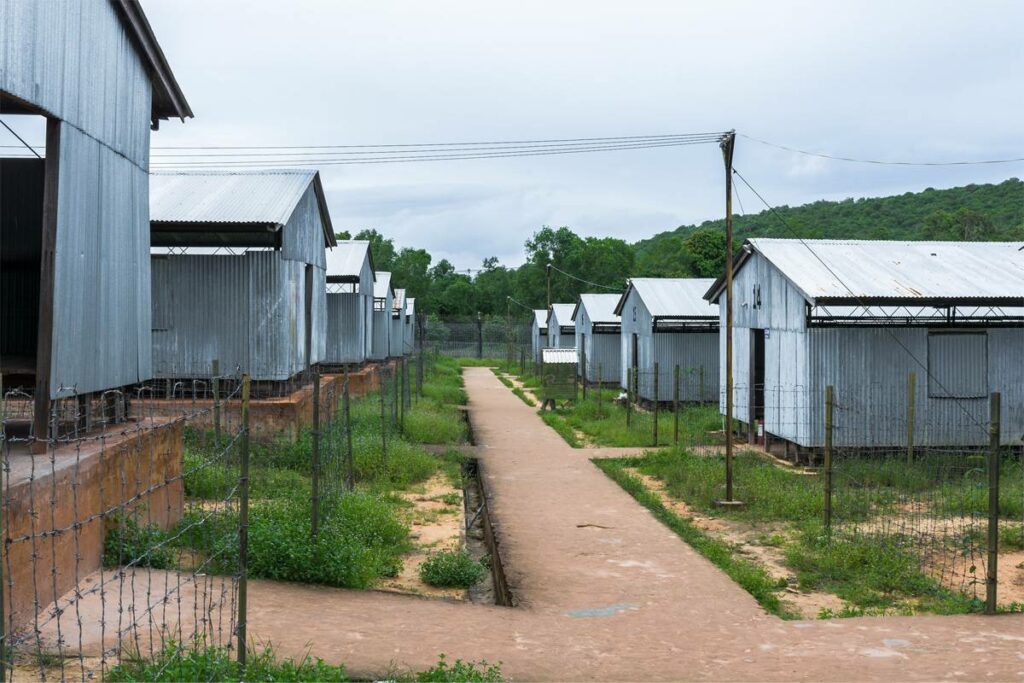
(215, 368)
(419, 374)
(828, 458)
(583, 369)
(383, 420)
(599, 378)
(629, 396)
(243, 524)
(347, 421)
(314, 519)
(656, 402)
(675, 406)
(911, 397)
(395, 372)
(479, 337)
(993, 503)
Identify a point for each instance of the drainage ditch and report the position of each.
(481, 542)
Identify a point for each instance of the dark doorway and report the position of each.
(309, 315)
(756, 382)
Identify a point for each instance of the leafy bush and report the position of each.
(470, 672)
(451, 569)
(141, 545)
(219, 664)
(359, 540)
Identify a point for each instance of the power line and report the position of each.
(296, 163)
(923, 365)
(881, 162)
(587, 282)
(11, 130)
(519, 303)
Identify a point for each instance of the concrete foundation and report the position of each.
(58, 505)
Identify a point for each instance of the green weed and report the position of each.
(451, 569)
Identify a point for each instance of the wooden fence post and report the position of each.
(911, 409)
(675, 406)
(243, 525)
(828, 458)
(314, 519)
(656, 403)
(991, 584)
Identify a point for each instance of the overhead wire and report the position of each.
(586, 282)
(880, 162)
(922, 364)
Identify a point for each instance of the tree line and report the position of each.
(991, 212)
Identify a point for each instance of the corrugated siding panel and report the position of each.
(53, 55)
(958, 365)
(200, 313)
(346, 328)
(303, 236)
(276, 288)
(696, 354)
(102, 279)
(381, 334)
(396, 341)
(409, 334)
(538, 340)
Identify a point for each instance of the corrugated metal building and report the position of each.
(383, 302)
(598, 337)
(349, 302)
(239, 272)
(667, 321)
(409, 336)
(561, 330)
(93, 295)
(861, 316)
(397, 342)
(539, 333)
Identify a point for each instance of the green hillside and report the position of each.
(972, 212)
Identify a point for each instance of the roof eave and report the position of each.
(168, 99)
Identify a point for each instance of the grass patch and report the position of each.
(562, 427)
(434, 423)
(523, 397)
(176, 663)
(451, 569)
(461, 672)
(750, 576)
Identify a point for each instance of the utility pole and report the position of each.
(549, 286)
(728, 144)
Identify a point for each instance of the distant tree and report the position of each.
(383, 250)
(343, 235)
(706, 249)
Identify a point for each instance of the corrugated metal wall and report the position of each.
(396, 341)
(601, 350)
(200, 313)
(346, 328)
(409, 334)
(303, 236)
(538, 341)
(869, 369)
(381, 346)
(53, 55)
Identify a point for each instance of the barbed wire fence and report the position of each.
(491, 337)
(126, 532)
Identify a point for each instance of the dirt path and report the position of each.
(607, 592)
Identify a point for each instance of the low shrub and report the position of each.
(460, 671)
(175, 663)
(140, 545)
(451, 569)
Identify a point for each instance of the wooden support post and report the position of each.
(583, 368)
(599, 378)
(828, 458)
(991, 575)
(215, 384)
(728, 146)
(629, 396)
(656, 404)
(675, 406)
(911, 410)
(47, 266)
(383, 418)
(314, 519)
(243, 525)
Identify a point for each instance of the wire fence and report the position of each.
(482, 337)
(877, 479)
(127, 531)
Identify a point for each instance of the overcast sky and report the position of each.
(890, 80)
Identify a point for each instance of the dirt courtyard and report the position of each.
(606, 592)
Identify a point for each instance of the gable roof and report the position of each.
(410, 306)
(248, 200)
(882, 271)
(540, 318)
(399, 302)
(668, 297)
(562, 311)
(168, 99)
(346, 259)
(382, 284)
(600, 307)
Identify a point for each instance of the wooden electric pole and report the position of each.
(728, 145)
(549, 286)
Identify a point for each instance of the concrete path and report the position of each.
(607, 592)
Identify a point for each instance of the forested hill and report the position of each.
(973, 212)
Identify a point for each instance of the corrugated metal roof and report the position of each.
(600, 307)
(381, 284)
(227, 197)
(558, 355)
(563, 312)
(410, 306)
(399, 302)
(540, 316)
(865, 269)
(667, 297)
(347, 259)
